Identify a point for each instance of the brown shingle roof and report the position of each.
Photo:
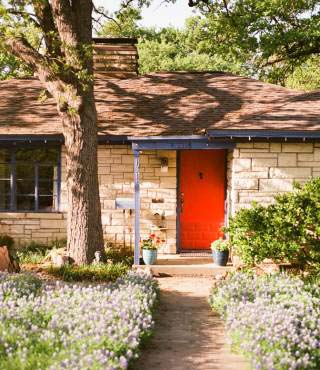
(167, 104)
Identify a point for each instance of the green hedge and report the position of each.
(288, 230)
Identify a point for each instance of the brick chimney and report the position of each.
(115, 57)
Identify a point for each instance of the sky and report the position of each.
(159, 14)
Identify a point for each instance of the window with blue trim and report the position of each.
(29, 179)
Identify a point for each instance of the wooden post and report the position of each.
(137, 207)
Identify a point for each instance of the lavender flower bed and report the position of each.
(73, 326)
(274, 320)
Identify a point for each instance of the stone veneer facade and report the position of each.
(115, 169)
(256, 171)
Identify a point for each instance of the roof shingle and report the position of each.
(181, 103)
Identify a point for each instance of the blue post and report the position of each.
(136, 206)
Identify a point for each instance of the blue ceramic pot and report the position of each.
(220, 258)
(149, 256)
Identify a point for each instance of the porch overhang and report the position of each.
(178, 143)
(139, 144)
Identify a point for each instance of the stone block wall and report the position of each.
(39, 227)
(256, 171)
(115, 169)
(259, 171)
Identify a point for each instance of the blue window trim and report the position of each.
(13, 182)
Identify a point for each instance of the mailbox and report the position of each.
(125, 203)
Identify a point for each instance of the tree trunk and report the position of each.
(84, 208)
(66, 71)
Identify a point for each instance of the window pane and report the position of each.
(5, 171)
(4, 155)
(25, 171)
(25, 203)
(45, 203)
(5, 201)
(25, 186)
(45, 187)
(5, 187)
(37, 155)
(47, 172)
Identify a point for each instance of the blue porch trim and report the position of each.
(263, 134)
(178, 143)
(136, 161)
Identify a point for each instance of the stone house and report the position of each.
(178, 152)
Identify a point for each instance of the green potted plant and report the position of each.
(150, 249)
(220, 251)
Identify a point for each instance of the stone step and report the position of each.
(185, 261)
(207, 270)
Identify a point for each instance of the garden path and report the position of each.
(188, 335)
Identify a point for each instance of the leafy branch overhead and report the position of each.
(276, 41)
(276, 35)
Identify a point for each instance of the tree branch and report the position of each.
(102, 14)
(23, 50)
(64, 20)
(43, 13)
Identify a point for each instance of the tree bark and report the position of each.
(66, 71)
(84, 209)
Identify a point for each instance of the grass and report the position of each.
(116, 255)
(35, 253)
(96, 272)
(119, 263)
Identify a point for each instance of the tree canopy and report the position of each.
(274, 36)
(275, 40)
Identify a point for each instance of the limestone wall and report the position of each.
(158, 201)
(258, 171)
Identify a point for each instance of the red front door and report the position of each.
(202, 194)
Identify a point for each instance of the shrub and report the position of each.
(95, 272)
(288, 230)
(274, 320)
(77, 327)
(120, 255)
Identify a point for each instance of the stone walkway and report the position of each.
(188, 335)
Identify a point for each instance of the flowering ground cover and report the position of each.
(273, 319)
(74, 326)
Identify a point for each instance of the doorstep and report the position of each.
(204, 269)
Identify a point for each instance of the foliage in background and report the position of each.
(73, 326)
(272, 319)
(11, 66)
(306, 76)
(288, 230)
(274, 37)
(276, 41)
(94, 272)
(170, 49)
